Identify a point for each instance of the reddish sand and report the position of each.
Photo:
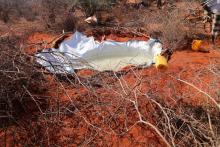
(100, 116)
(116, 35)
(37, 42)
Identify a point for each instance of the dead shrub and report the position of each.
(91, 6)
(107, 104)
(20, 84)
(13, 10)
(70, 23)
(170, 26)
(174, 33)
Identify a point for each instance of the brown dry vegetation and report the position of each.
(132, 107)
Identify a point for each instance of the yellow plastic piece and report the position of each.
(196, 44)
(161, 62)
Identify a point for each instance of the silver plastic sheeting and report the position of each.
(213, 5)
(82, 52)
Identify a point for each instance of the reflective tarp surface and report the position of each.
(213, 5)
(80, 52)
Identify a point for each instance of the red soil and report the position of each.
(116, 35)
(102, 108)
(36, 41)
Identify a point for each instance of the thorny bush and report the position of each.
(20, 80)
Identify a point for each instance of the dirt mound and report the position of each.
(39, 41)
(132, 107)
(117, 34)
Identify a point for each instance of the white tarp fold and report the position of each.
(81, 52)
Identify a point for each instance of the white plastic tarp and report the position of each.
(82, 52)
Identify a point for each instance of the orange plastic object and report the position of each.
(196, 44)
